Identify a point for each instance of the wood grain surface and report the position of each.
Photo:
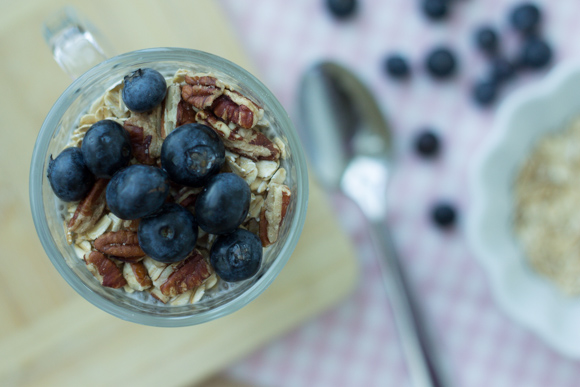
(49, 335)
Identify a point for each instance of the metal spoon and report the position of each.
(350, 149)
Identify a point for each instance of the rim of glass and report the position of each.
(38, 167)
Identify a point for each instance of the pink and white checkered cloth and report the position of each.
(356, 343)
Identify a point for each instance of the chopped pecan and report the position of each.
(245, 142)
(253, 145)
(90, 209)
(185, 114)
(273, 213)
(234, 107)
(201, 91)
(137, 276)
(186, 275)
(130, 225)
(105, 270)
(220, 127)
(144, 133)
(122, 244)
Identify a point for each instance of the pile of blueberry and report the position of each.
(428, 146)
(192, 155)
(534, 52)
(441, 63)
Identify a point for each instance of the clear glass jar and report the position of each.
(47, 210)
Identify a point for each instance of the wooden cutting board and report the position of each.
(49, 335)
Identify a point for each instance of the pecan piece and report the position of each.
(273, 213)
(105, 270)
(186, 275)
(245, 142)
(137, 276)
(185, 114)
(220, 127)
(254, 145)
(90, 209)
(131, 225)
(234, 107)
(122, 244)
(201, 91)
(144, 133)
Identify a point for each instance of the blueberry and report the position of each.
(106, 148)
(427, 143)
(223, 204)
(484, 92)
(342, 9)
(192, 154)
(168, 235)
(443, 215)
(435, 9)
(535, 53)
(137, 191)
(144, 89)
(236, 256)
(69, 176)
(502, 70)
(441, 62)
(486, 39)
(397, 66)
(525, 18)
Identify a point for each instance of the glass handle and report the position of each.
(75, 43)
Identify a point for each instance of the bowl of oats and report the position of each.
(524, 226)
(168, 186)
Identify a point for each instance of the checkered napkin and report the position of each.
(356, 343)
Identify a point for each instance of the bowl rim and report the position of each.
(41, 224)
(547, 86)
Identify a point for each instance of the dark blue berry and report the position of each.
(484, 92)
(106, 148)
(441, 62)
(69, 176)
(443, 215)
(223, 204)
(427, 143)
(144, 89)
(435, 9)
(486, 39)
(535, 54)
(192, 154)
(168, 235)
(397, 66)
(137, 191)
(502, 70)
(342, 9)
(236, 256)
(526, 18)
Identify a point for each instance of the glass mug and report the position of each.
(69, 37)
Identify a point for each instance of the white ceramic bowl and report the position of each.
(529, 298)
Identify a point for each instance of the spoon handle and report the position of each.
(421, 361)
